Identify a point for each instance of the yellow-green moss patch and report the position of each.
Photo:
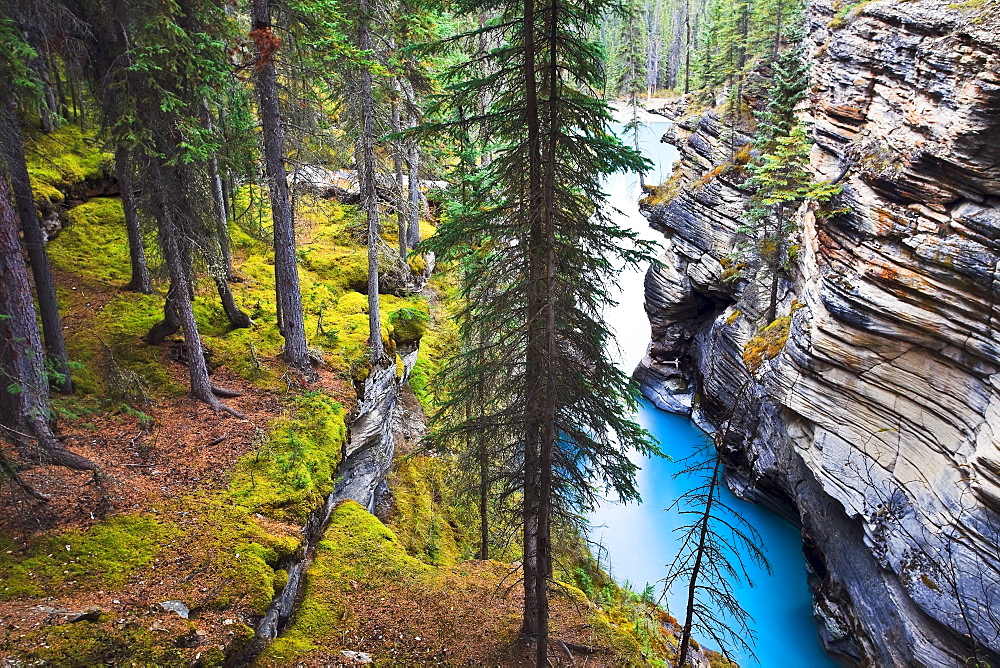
(294, 470)
(63, 158)
(94, 244)
(425, 513)
(101, 556)
(768, 343)
(356, 551)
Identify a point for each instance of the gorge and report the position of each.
(308, 334)
(874, 423)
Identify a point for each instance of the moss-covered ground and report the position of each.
(207, 510)
(194, 507)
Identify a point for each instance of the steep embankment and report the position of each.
(875, 400)
(207, 536)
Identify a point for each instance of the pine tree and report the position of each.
(24, 29)
(780, 181)
(632, 80)
(155, 67)
(24, 394)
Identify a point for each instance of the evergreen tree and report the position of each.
(780, 181)
(24, 395)
(155, 67)
(25, 28)
(538, 247)
(286, 273)
(632, 60)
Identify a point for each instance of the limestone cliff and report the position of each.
(877, 425)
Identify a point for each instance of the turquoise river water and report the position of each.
(639, 538)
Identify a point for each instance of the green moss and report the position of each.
(120, 324)
(847, 12)
(768, 343)
(733, 317)
(357, 550)
(97, 644)
(437, 343)
(425, 515)
(243, 554)
(62, 159)
(93, 243)
(407, 324)
(295, 469)
(101, 556)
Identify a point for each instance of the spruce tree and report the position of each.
(539, 250)
(286, 273)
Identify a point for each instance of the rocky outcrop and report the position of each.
(878, 423)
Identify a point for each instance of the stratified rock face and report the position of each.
(879, 422)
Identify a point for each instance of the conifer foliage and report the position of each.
(537, 251)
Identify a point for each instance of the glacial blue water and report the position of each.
(639, 538)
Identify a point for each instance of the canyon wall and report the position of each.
(876, 423)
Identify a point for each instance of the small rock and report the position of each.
(356, 658)
(89, 614)
(175, 606)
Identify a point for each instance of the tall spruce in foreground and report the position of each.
(539, 251)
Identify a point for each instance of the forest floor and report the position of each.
(205, 510)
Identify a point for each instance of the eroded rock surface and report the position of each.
(879, 422)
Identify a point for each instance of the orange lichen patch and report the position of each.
(888, 274)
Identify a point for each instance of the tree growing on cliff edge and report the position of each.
(709, 560)
(540, 251)
(781, 181)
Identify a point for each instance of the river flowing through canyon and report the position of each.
(639, 539)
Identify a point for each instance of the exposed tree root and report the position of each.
(28, 489)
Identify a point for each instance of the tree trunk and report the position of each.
(687, 46)
(175, 257)
(550, 297)
(535, 362)
(48, 306)
(397, 164)
(286, 274)
(219, 197)
(136, 250)
(413, 168)
(682, 652)
(369, 197)
(237, 318)
(25, 412)
(484, 497)
(171, 323)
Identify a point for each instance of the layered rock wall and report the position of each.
(878, 423)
